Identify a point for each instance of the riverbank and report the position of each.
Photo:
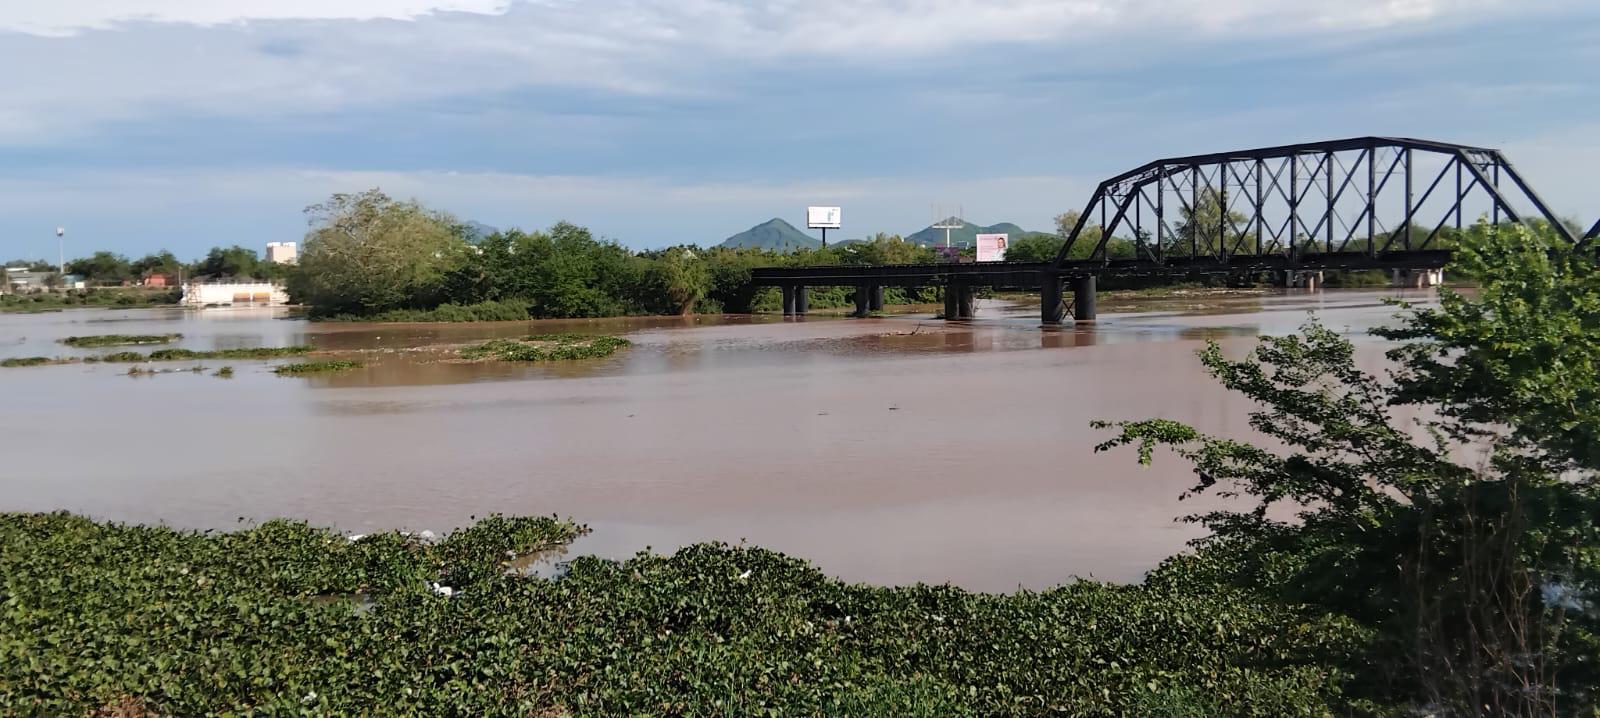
(285, 617)
(110, 298)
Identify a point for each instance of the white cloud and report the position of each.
(81, 64)
(65, 17)
(843, 26)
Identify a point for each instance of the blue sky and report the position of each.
(183, 124)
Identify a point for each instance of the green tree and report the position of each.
(683, 278)
(368, 252)
(1202, 225)
(101, 267)
(1042, 247)
(32, 265)
(232, 262)
(1466, 540)
(882, 249)
(162, 262)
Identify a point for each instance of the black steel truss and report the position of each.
(1294, 201)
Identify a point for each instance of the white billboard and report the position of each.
(822, 217)
(992, 247)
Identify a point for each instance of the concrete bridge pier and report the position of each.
(1416, 278)
(1300, 278)
(958, 302)
(1051, 309)
(802, 300)
(787, 290)
(863, 301)
(875, 298)
(1083, 307)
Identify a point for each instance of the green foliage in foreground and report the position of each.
(1466, 540)
(546, 347)
(289, 619)
(25, 361)
(315, 367)
(111, 340)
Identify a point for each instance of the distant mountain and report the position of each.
(476, 231)
(966, 236)
(774, 234)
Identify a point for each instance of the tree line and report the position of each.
(368, 254)
(109, 268)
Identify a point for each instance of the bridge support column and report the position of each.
(1083, 308)
(875, 298)
(863, 300)
(802, 300)
(1416, 278)
(964, 306)
(1302, 278)
(788, 299)
(952, 303)
(1051, 309)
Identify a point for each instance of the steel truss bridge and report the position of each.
(1293, 210)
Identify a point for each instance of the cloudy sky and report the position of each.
(181, 124)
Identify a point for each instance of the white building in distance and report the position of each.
(283, 252)
(234, 294)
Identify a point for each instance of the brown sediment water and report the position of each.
(889, 450)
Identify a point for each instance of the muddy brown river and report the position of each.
(888, 450)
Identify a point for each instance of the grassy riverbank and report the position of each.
(115, 298)
(287, 618)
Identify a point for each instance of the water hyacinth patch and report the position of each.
(286, 618)
(109, 340)
(316, 367)
(546, 347)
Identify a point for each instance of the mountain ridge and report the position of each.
(774, 234)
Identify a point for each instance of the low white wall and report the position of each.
(235, 294)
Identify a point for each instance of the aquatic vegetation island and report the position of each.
(314, 367)
(111, 340)
(546, 347)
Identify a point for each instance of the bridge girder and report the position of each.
(1297, 201)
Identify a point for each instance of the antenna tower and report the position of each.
(944, 219)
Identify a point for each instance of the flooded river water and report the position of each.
(885, 450)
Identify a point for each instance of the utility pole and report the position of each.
(61, 256)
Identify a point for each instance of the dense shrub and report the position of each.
(487, 311)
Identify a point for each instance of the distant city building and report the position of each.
(283, 252)
(157, 279)
(22, 280)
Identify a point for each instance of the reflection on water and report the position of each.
(888, 450)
